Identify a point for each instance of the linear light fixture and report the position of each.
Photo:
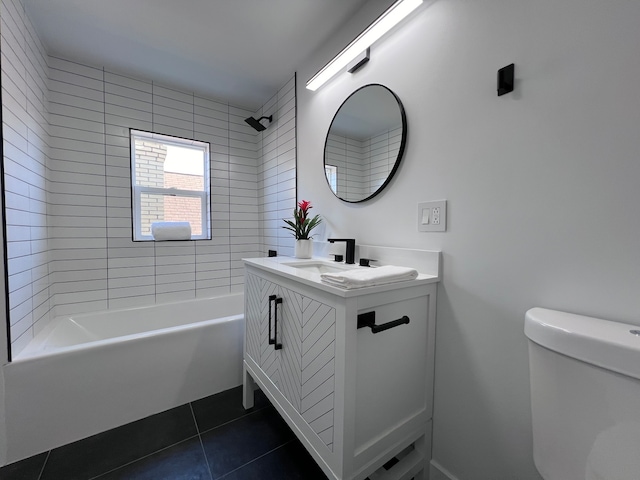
(385, 22)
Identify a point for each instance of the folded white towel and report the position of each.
(368, 277)
(171, 231)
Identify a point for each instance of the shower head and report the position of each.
(256, 123)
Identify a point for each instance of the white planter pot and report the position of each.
(304, 248)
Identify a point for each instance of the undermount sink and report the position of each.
(318, 266)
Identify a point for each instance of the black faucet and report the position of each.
(350, 254)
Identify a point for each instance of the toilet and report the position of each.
(585, 396)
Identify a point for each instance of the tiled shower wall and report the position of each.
(277, 170)
(75, 245)
(25, 143)
(363, 165)
(96, 264)
(346, 154)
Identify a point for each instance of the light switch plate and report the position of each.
(432, 216)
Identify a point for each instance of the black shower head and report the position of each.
(256, 123)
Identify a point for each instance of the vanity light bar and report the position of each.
(385, 22)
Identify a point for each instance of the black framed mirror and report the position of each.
(365, 143)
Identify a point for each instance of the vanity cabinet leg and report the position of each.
(248, 389)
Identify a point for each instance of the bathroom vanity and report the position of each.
(356, 399)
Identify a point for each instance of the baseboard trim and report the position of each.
(438, 472)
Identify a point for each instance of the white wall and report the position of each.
(542, 190)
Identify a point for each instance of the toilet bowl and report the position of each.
(585, 396)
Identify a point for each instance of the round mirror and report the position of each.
(365, 143)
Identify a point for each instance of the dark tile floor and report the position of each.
(204, 440)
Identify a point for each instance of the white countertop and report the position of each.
(279, 266)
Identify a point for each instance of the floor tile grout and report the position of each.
(233, 420)
(206, 459)
(199, 435)
(143, 457)
(44, 465)
(255, 459)
(195, 420)
(204, 453)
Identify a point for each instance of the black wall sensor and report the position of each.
(505, 79)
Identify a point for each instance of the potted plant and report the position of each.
(301, 227)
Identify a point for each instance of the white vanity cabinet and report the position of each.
(290, 338)
(356, 399)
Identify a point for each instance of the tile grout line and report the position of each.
(204, 453)
(230, 284)
(193, 415)
(155, 254)
(44, 465)
(106, 181)
(141, 458)
(198, 434)
(233, 420)
(256, 459)
(195, 244)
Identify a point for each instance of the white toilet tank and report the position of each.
(585, 396)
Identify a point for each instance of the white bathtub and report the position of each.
(88, 373)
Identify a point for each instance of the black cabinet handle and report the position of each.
(277, 345)
(271, 299)
(369, 320)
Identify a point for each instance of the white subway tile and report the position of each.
(78, 102)
(183, 112)
(18, 343)
(130, 110)
(41, 316)
(141, 121)
(174, 296)
(70, 67)
(119, 298)
(78, 287)
(127, 97)
(205, 291)
(68, 304)
(130, 282)
(171, 94)
(117, 79)
(65, 109)
(77, 89)
(79, 264)
(172, 126)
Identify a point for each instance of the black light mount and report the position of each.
(506, 79)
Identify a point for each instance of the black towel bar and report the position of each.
(369, 320)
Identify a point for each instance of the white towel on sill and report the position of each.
(162, 231)
(368, 277)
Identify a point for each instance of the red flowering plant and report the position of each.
(302, 225)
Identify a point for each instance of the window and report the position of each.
(170, 183)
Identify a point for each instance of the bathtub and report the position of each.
(87, 373)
